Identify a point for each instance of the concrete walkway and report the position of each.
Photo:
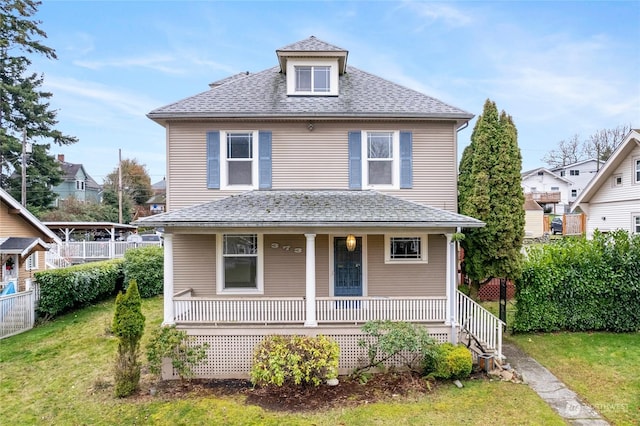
(564, 401)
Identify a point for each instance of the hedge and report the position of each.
(145, 265)
(64, 289)
(581, 285)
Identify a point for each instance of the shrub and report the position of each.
(169, 342)
(145, 265)
(408, 343)
(295, 359)
(581, 285)
(67, 288)
(449, 361)
(128, 326)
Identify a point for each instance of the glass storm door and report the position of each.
(347, 268)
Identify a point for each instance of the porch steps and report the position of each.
(478, 328)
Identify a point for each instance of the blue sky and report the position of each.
(559, 68)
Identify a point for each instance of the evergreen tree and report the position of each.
(24, 107)
(490, 191)
(128, 327)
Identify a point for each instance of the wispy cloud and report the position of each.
(163, 63)
(444, 13)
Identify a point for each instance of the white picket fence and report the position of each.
(17, 312)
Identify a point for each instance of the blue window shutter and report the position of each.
(213, 159)
(264, 159)
(406, 160)
(355, 159)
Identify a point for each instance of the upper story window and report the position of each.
(616, 180)
(239, 159)
(312, 76)
(636, 224)
(313, 79)
(381, 158)
(562, 172)
(555, 188)
(540, 173)
(574, 172)
(80, 185)
(574, 193)
(637, 170)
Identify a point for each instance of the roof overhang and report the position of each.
(308, 210)
(21, 246)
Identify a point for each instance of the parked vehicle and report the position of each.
(556, 225)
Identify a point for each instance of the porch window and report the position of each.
(405, 248)
(240, 263)
(32, 262)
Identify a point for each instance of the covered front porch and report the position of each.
(308, 262)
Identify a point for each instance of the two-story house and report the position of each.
(611, 200)
(547, 188)
(558, 188)
(309, 198)
(76, 183)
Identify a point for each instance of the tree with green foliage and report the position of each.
(24, 107)
(136, 188)
(489, 190)
(73, 210)
(128, 326)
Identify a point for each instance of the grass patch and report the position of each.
(603, 368)
(61, 373)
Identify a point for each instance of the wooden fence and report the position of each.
(572, 224)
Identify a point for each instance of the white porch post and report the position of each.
(451, 288)
(169, 317)
(311, 282)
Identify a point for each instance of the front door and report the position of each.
(347, 268)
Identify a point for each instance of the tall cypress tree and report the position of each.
(490, 190)
(24, 107)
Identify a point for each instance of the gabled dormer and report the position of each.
(312, 67)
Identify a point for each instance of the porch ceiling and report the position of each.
(275, 208)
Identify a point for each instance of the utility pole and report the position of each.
(120, 186)
(26, 148)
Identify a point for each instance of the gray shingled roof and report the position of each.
(311, 44)
(325, 208)
(264, 95)
(21, 245)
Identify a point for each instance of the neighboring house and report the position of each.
(76, 184)
(557, 189)
(612, 199)
(547, 188)
(580, 174)
(158, 201)
(23, 242)
(309, 198)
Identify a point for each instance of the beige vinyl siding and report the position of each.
(194, 264)
(284, 269)
(318, 159)
(405, 279)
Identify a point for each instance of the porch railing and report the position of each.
(291, 310)
(485, 326)
(94, 250)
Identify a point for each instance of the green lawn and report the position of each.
(60, 373)
(603, 368)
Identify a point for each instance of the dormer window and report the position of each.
(312, 77)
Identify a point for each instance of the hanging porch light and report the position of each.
(351, 242)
